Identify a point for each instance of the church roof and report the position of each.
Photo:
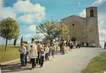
(73, 16)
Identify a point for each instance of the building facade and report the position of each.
(84, 30)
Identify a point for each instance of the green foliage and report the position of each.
(97, 65)
(64, 31)
(9, 28)
(50, 28)
(55, 29)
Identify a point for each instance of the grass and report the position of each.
(97, 65)
(10, 54)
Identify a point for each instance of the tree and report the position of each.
(9, 29)
(32, 40)
(21, 41)
(50, 28)
(55, 29)
(64, 31)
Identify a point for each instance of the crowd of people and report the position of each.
(38, 52)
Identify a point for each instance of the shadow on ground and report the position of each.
(13, 68)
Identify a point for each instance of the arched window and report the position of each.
(91, 13)
(73, 25)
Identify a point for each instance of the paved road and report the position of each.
(72, 62)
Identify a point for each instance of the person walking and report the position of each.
(105, 45)
(38, 52)
(27, 52)
(33, 54)
(41, 55)
(46, 48)
(22, 51)
(62, 45)
(71, 45)
(52, 49)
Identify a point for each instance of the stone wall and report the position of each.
(84, 29)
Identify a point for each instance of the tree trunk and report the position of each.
(6, 44)
(15, 41)
(32, 40)
(21, 40)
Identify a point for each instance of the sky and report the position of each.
(30, 13)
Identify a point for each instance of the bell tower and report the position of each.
(91, 12)
(92, 26)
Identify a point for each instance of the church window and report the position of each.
(73, 25)
(91, 13)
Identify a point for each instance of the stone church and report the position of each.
(84, 29)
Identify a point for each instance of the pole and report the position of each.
(0, 68)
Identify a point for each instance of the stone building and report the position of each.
(84, 29)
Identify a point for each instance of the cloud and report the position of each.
(37, 11)
(29, 32)
(24, 12)
(33, 32)
(83, 13)
(28, 7)
(26, 18)
(31, 28)
(7, 12)
(102, 27)
(98, 2)
(1, 3)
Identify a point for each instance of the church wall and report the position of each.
(84, 29)
(77, 26)
(92, 31)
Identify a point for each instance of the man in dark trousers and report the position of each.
(105, 45)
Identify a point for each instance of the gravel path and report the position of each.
(72, 62)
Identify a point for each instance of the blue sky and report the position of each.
(30, 13)
(56, 9)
